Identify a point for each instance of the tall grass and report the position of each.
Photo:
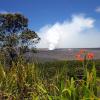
(28, 81)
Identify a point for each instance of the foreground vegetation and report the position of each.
(49, 81)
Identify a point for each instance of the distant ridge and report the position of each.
(43, 54)
(46, 49)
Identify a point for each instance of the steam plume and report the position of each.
(67, 34)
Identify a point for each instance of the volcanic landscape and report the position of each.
(45, 55)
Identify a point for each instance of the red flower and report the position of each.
(81, 51)
(90, 55)
(79, 57)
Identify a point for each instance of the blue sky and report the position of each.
(42, 13)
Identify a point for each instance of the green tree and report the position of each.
(14, 34)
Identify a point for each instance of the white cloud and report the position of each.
(3, 12)
(97, 9)
(69, 34)
(7, 12)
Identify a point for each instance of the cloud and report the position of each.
(7, 12)
(76, 33)
(97, 9)
(3, 12)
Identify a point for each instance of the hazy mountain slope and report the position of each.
(58, 54)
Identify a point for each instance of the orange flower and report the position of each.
(81, 51)
(79, 57)
(90, 55)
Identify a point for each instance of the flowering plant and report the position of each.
(84, 57)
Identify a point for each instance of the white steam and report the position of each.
(70, 34)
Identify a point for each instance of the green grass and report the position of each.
(64, 80)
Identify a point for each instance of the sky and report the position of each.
(60, 23)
